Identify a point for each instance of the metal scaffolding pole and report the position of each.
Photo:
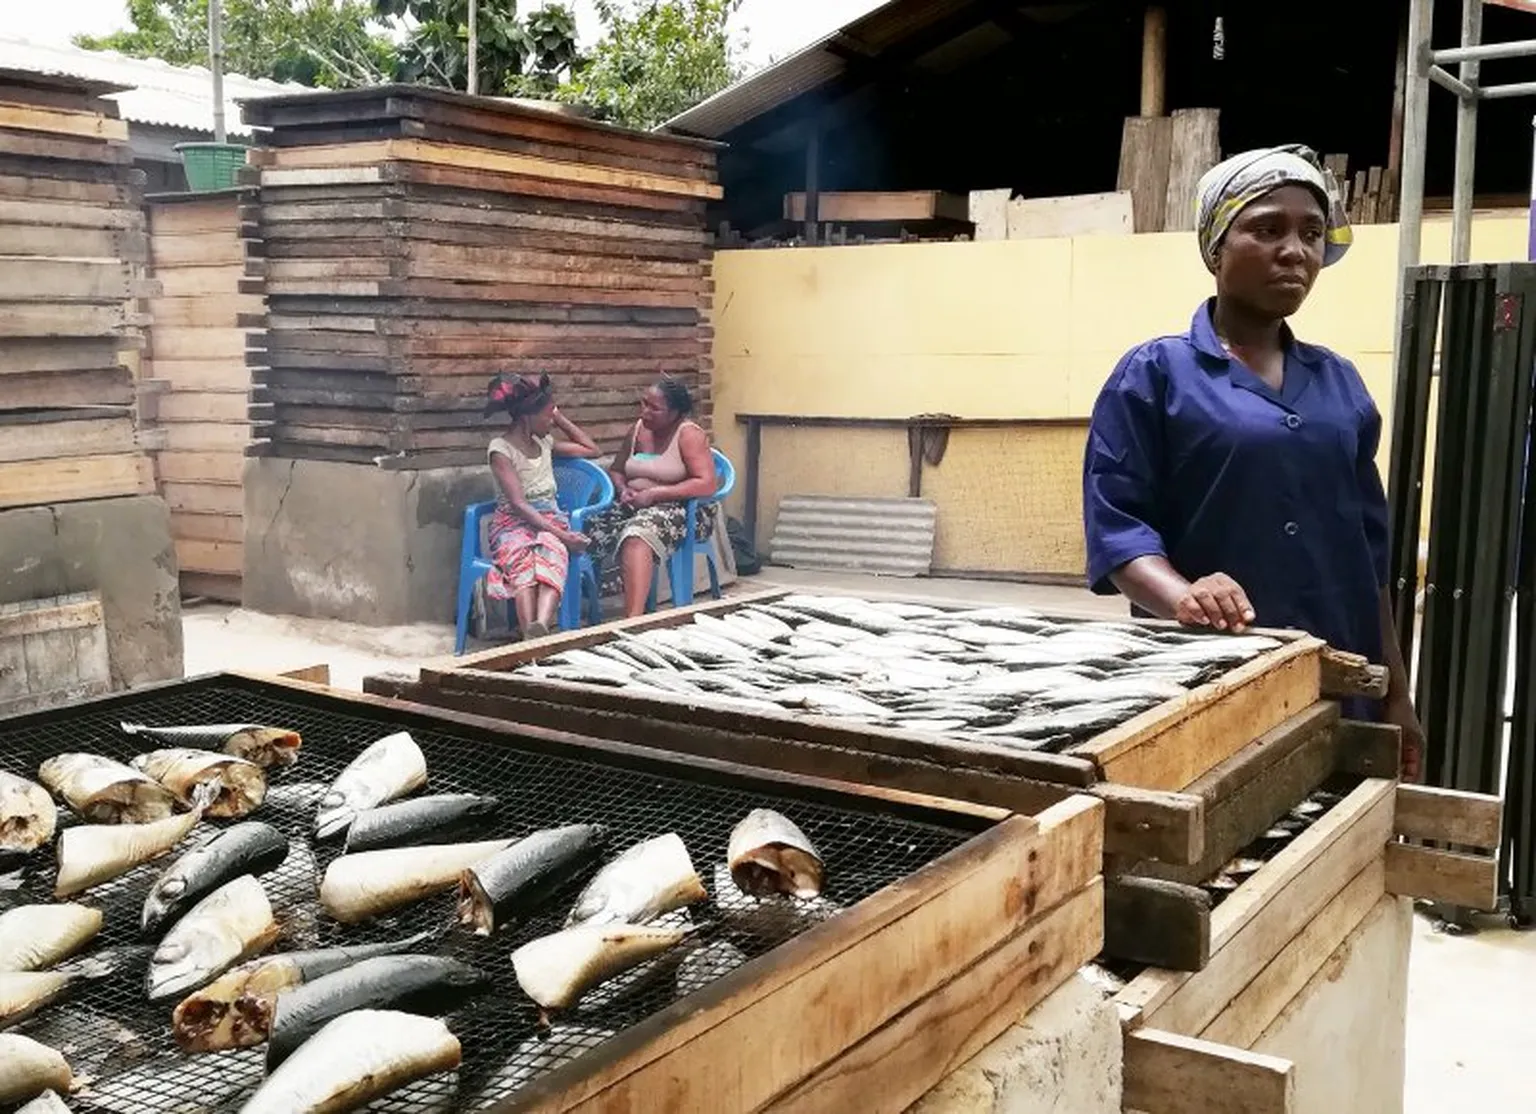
(1466, 135)
(1410, 220)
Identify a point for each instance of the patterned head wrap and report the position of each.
(1230, 187)
(518, 395)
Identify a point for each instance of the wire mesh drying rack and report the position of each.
(111, 1034)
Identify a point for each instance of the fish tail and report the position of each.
(133, 728)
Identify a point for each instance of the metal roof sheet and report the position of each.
(155, 92)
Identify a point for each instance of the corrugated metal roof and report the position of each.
(156, 92)
(887, 537)
(816, 65)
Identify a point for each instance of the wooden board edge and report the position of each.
(1166, 1073)
(1449, 816)
(903, 1060)
(1151, 824)
(319, 674)
(1165, 924)
(1345, 676)
(1451, 877)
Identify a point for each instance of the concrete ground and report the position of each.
(1469, 1016)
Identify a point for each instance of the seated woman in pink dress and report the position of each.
(665, 462)
(530, 539)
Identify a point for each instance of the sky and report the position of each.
(771, 28)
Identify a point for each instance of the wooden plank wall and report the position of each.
(71, 248)
(413, 243)
(197, 383)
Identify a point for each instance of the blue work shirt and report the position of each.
(1191, 456)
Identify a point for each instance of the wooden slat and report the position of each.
(1368, 749)
(88, 124)
(21, 319)
(1175, 743)
(869, 206)
(201, 282)
(1194, 147)
(74, 243)
(1256, 1006)
(218, 311)
(200, 250)
(1267, 911)
(68, 214)
(64, 280)
(1346, 675)
(1153, 824)
(964, 905)
(1471, 881)
(29, 483)
(1247, 793)
(202, 468)
(346, 155)
(1449, 816)
(202, 375)
(53, 440)
(1145, 149)
(892, 1068)
(1164, 924)
(208, 527)
(203, 499)
(227, 343)
(104, 387)
(1169, 1074)
(48, 616)
(223, 558)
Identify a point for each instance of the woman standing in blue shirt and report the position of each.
(1230, 477)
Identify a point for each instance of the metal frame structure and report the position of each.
(1425, 66)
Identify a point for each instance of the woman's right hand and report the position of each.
(1215, 601)
(576, 543)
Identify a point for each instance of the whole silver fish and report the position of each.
(357, 887)
(90, 854)
(556, 970)
(236, 1009)
(386, 771)
(1116, 688)
(1212, 650)
(36, 936)
(1082, 717)
(641, 652)
(230, 924)
(249, 848)
(268, 747)
(28, 1068)
(239, 786)
(649, 879)
(768, 854)
(921, 643)
(104, 791)
(905, 610)
(27, 816)
(770, 627)
(975, 634)
(734, 632)
(825, 699)
(355, 1059)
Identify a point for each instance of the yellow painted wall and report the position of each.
(1005, 329)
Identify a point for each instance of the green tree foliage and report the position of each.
(656, 58)
(333, 43)
(520, 55)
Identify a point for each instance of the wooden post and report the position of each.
(754, 463)
(1154, 61)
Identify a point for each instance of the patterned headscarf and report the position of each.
(518, 395)
(1230, 187)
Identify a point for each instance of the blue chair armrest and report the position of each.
(474, 515)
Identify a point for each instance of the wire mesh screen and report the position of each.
(110, 1033)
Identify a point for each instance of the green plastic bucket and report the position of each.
(211, 166)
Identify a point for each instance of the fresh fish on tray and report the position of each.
(33, 937)
(104, 791)
(1212, 650)
(516, 882)
(760, 623)
(419, 820)
(90, 854)
(230, 924)
(238, 786)
(734, 632)
(387, 770)
(357, 887)
(355, 1059)
(268, 747)
(28, 816)
(829, 701)
(421, 984)
(647, 880)
(28, 1068)
(236, 1009)
(1115, 688)
(1069, 721)
(645, 654)
(768, 855)
(556, 970)
(248, 848)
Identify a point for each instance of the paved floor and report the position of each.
(1470, 1021)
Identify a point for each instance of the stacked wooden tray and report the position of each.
(414, 242)
(71, 244)
(1190, 787)
(197, 383)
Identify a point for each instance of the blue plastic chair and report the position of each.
(582, 490)
(681, 564)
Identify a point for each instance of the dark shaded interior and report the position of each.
(1033, 97)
